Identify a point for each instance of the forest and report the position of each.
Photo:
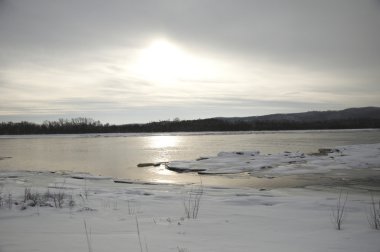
(87, 125)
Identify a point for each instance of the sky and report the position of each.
(121, 61)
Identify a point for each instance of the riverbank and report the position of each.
(97, 214)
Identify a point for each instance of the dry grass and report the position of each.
(374, 214)
(56, 197)
(88, 236)
(192, 202)
(182, 249)
(338, 213)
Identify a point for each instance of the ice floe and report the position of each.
(327, 159)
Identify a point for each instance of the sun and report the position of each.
(165, 62)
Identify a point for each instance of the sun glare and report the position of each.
(165, 62)
(158, 142)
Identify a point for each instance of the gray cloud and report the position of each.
(339, 39)
(341, 33)
(334, 34)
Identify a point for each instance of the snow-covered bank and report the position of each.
(228, 220)
(366, 156)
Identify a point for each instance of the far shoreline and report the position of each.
(187, 133)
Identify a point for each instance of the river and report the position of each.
(117, 155)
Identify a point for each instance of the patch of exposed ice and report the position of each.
(10, 174)
(88, 176)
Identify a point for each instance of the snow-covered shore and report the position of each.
(72, 211)
(229, 219)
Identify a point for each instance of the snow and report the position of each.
(287, 163)
(229, 219)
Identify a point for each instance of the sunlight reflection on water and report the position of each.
(163, 141)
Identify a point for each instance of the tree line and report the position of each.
(87, 125)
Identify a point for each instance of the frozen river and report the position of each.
(117, 155)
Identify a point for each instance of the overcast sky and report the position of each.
(122, 61)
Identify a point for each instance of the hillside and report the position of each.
(368, 113)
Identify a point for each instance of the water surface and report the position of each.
(117, 155)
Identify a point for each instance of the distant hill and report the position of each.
(353, 118)
(367, 113)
